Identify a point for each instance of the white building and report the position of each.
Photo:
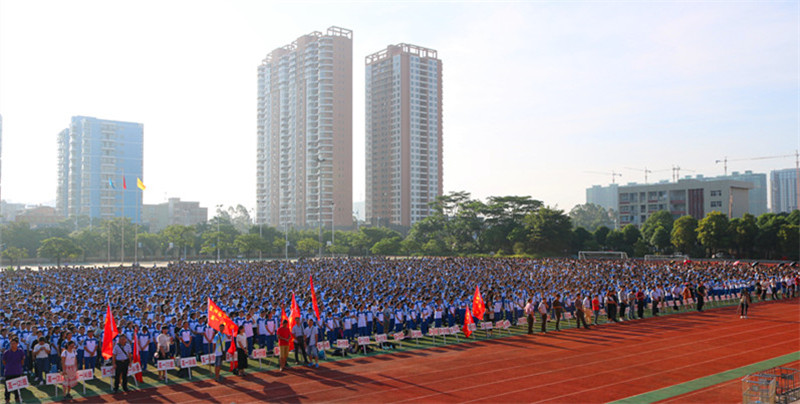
(305, 132)
(403, 134)
(686, 197)
(783, 184)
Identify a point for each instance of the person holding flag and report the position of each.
(137, 357)
(218, 319)
(284, 340)
(122, 359)
(218, 347)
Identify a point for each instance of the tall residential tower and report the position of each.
(305, 132)
(403, 134)
(96, 157)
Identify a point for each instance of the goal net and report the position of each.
(671, 257)
(602, 255)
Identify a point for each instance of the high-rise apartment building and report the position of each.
(403, 134)
(96, 158)
(783, 184)
(1, 153)
(305, 132)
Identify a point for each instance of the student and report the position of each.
(219, 351)
(543, 314)
(90, 350)
(163, 342)
(241, 352)
(311, 337)
(272, 329)
(144, 347)
(41, 357)
(247, 324)
(69, 364)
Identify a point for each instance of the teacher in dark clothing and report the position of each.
(13, 359)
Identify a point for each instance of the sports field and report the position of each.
(685, 357)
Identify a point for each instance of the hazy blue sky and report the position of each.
(535, 93)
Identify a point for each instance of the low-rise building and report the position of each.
(686, 197)
(174, 211)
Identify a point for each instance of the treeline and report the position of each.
(458, 226)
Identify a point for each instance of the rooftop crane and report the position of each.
(614, 175)
(646, 171)
(725, 160)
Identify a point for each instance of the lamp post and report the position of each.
(319, 201)
(219, 208)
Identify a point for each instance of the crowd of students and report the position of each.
(46, 309)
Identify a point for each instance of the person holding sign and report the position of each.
(121, 360)
(69, 366)
(13, 359)
(241, 352)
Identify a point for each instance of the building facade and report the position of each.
(174, 211)
(783, 184)
(757, 195)
(305, 132)
(686, 197)
(97, 160)
(403, 134)
(607, 197)
(39, 216)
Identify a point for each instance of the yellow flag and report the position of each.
(139, 183)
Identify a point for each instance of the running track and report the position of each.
(607, 363)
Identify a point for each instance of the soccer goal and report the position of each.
(602, 255)
(670, 257)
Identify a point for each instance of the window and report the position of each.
(716, 193)
(716, 204)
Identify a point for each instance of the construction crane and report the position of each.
(614, 175)
(646, 171)
(676, 172)
(725, 160)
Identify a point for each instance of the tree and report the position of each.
(91, 242)
(504, 222)
(591, 216)
(152, 244)
(684, 234)
(308, 246)
(216, 243)
(712, 232)
(600, 235)
(631, 234)
(57, 248)
(582, 240)
(743, 233)
(615, 240)
(767, 239)
(662, 218)
(660, 239)
(179, 237)
(789, 236)
(14, 254)
(249, 243)
(550, 231)
(390, 246)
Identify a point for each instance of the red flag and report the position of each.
(294, 318)
(478, 308)
(467, 322)
(109, 333)
(136, 358)
(124, 184)
(284, 318)
(314, 298)
(216, 317)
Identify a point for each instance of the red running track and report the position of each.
(605, 363)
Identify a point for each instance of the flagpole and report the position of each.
(136, 234)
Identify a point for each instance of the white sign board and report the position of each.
(342, 343)
(363, 340)
(260, 353)
(398, 336)
(207, 359)
(135, 368)
(166, 364)
(54, 378)
(380, 338)
(106, 371)
(189, 362)
(16, 384)
(86, 374)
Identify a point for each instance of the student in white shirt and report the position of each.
(311, 335)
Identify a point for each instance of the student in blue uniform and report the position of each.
(90, 347)
(144, 346)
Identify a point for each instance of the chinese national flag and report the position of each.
(109, 333)
(478, 308)
(467, 322)
(216, 317)
(124, 184)
(284, 318)
(136, 358)
(314, 298)
(294, 318)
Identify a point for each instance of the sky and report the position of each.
(540, 98)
